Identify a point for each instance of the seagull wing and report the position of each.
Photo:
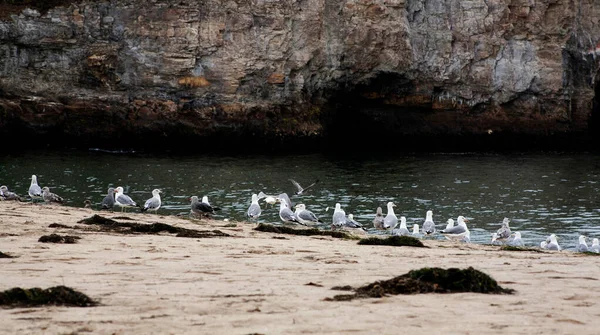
(300, 189)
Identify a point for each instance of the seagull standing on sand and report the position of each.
(582, 246)
(109, 200)
(543, 244)
(303, 189)
(553, 244)
(351, 223)
(503, 232)
(35, 191)
(456, 233)
(415, 232)
(254, 209)
(403, 230)
(50, 197)
(8, 195)
(200, 207)
(212, 209)
(305, 216)
(428, 225)
(153, 204)
(285, 213)
(391, 220)
(123, 200)
(595, 246)
(515, 240)
(378, 220)
(339, 216)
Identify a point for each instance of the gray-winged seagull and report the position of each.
(123, 200)
(35, 191)
(153, 204)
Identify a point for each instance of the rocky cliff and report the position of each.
(121, 73)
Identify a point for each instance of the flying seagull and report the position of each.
(303, 189)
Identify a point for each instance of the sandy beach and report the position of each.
(264, 283)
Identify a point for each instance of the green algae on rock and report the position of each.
(429, 280)
(396, 241)
(56, 296)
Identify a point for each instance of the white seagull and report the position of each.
(285, 213)
(582, 246)
(305, 216)
(153, 204)
(515, 240)
(339, 216)
(391, 220)
(403, 230)
(35, 191)
(428, 225)
(553, 244)
(123, 200)
(254, 209)
(415, 232)
(456, 233)
(595, 246)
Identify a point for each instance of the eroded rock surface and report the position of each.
(105, 71)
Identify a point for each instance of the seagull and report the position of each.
(269, 199)
(450, 224)
(109, 200)
(87, 203)
(254, 209)
(503, 232)
(415, 232)
(339, 216)
(402, 231)
(303, 189)
(351, 223)
(153, 204)
(205, 200)
(50, 197)
(200, 207)
(123, 200)
(553, 244)
(8, 195)
(378, 220)
(456, 233)
(428, 225)
(288, 202)
(285, 213)
(543, 244)
(595, 246)
(391, 220)
(305, 216)
(467, 237)
(515, 240)
(582, 246)
(35, 191)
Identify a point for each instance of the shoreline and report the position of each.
(266, 283)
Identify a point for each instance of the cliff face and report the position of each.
(96, 71)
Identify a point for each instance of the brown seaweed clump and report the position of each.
(267, 228)
(106, 224)
(3, 255)
(55, 238)
(57, 296)
(397, 241)
(513, 248)
(429, 280)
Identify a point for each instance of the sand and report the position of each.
(265, 283)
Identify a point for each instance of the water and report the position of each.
(542, 193)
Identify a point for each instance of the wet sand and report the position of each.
(265, 283)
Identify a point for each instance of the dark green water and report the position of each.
(542, 193)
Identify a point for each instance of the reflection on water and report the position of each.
(541, 193)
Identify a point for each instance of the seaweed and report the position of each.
(513, 248)
(429, 280)
(3, 255)
(55, 238)
(304, 232)
(397, 241)
(106, 224)
(589, 253)
(58, 225)
(57, 296)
